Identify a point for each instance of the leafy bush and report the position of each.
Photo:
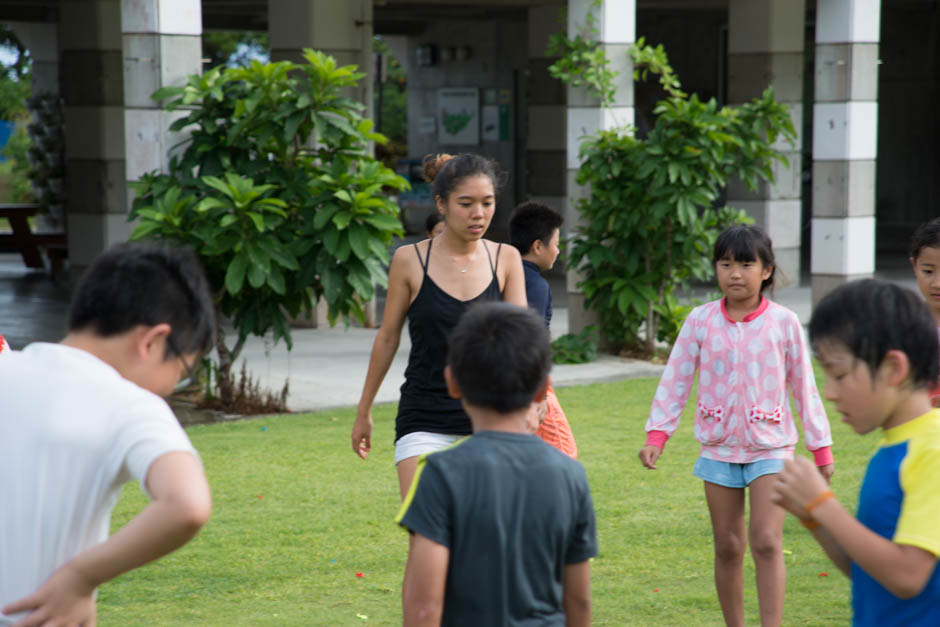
(277, 193)
(650, 221)
(576, 348)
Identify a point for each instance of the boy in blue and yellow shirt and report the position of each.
(877, 345)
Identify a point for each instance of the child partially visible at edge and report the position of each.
(82, 417)
(925, 259)
(434, 225)
(502, 524)
(748, 351)
(535, 229)
(4, 347)
(877, 344)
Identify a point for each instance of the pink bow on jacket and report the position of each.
(755, 414)
(713, 412)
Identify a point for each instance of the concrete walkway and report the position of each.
(327, 367)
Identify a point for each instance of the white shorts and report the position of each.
(421, 442)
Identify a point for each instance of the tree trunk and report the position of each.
(227, 358)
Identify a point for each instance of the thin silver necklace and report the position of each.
(462, 270)
(459, 269)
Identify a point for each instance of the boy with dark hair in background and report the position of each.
(503, 524)
(534, 230)
(877, 343)
(82, 417)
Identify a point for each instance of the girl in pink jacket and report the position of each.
(748, 352)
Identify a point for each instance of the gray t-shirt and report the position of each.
(513, 511)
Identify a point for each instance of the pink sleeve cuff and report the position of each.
(823, 456)
(657, 438)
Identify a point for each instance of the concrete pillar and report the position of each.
(765, 48)
(41, 39)
(344, 31)
(616, 25)
(162, 43)
(845, 142)
(546, 137)
(92, 89)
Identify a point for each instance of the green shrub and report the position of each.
(650, 221)
(576, 348)
(277, 193)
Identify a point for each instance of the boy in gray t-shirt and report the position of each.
(502, 524)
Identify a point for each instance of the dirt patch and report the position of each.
(189, 414)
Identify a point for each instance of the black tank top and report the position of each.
(425, 404)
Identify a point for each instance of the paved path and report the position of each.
(327, 367)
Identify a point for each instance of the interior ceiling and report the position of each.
(390, 16)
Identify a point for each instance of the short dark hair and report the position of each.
(927, 235)
(532, 221)
(431, 221)
(144, 284)
(500, 355)
(871, 317)
(743, 242)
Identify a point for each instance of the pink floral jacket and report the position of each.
(743, 412)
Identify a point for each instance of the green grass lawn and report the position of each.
(297, 516)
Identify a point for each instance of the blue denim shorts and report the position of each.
(734, 475)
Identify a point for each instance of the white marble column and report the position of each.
(845, 142)
(765, 49)
(162, 43)
(546, 139)
(41, 39)
(342, 30)
(92, 89)
(616, 25)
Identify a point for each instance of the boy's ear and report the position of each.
(913, 262)
(536, 247)
(452, 388)
(542, 392)
(895, 368)
(148, 339)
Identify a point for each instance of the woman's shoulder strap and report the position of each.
(427, 256)
(493, 268)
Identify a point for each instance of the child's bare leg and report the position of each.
(726, 506)
(765, 533)
(406, 472)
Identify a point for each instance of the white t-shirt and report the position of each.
(72, 431)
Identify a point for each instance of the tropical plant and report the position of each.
(277, 193)
(654, 211)
(576, 348)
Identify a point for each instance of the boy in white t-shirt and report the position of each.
(84, 416)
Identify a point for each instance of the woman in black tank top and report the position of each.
(432, 283)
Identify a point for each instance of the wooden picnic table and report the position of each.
(22, 239)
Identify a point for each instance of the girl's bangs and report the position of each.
(737, 245)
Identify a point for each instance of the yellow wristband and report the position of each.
(816, 502)
(809, 523)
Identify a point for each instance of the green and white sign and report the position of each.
(458, 111)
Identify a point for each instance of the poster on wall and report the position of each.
(458, 111)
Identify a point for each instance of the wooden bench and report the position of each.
(22, 239)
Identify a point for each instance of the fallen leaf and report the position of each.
(823, 574)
